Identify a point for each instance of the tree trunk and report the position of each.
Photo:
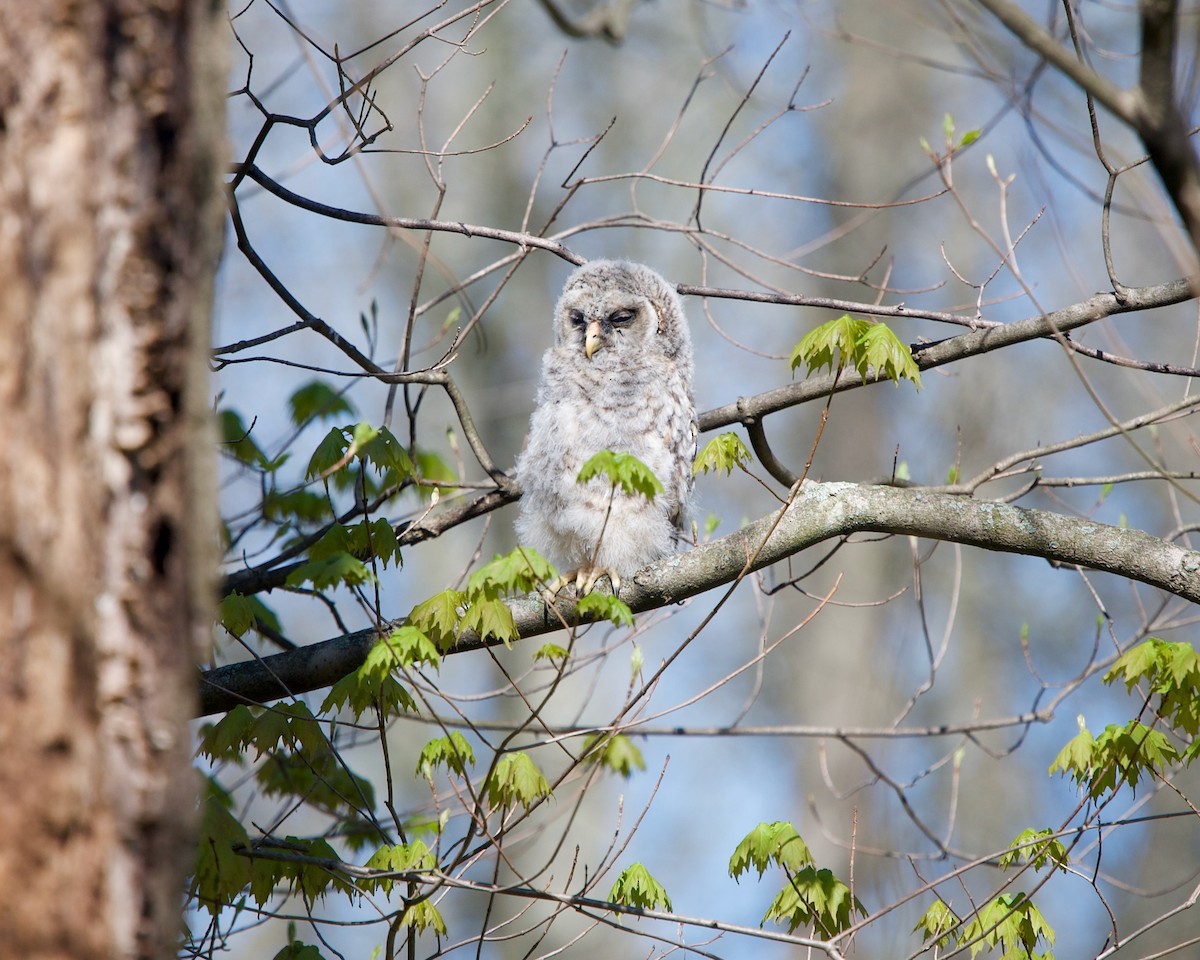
(111, 138)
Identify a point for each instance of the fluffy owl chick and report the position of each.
(618, 377)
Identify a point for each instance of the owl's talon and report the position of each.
(553, 589)
(584, 580)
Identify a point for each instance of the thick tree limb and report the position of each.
(820, 512)
(750, 411)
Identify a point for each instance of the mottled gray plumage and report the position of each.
(619, 377)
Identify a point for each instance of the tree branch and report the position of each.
(1121, 102)
(820, 512)
(972, 344)
(1151, 110)
(1158, 119)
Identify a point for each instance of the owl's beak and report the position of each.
(591, 339)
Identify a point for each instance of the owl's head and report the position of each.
(612, 307)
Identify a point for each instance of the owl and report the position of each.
(618, 377)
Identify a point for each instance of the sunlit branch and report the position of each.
(946, 351)
(819, 513)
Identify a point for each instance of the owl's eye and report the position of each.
(621, 317)
(577, 318)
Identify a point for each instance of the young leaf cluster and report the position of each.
(605, 606)
(238, 614)
(1038, 847)
(862, 345)
(452, 752)
(1010, 922)
(338, 557)
(396, 858)
(374, 683)
(1121, 755)
(636, 888)
(624, 471)
(812, 897)
(515, 779)
(480, 607)
(433, 627)
(615, 752)
(723, 452)
(227, 870)
(1171, 672)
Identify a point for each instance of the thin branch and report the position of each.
(523, 240)
(946, 351)
(1030, 32)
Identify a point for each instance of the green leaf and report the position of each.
(605, 606)
(433, 469)
(636, 888)
(815, 898)
(970, 137)
(226, 739)
(1010, 921)
(518, 572)
(616, 752)
(860, 345)
(516, 779)
(383, 451)
(452, 751)
(296, 950)
(1075, 759)
(882, 351)
(937, 923)
(768, 843)
(237, 614)
(551, 651)
(398, 858)
(315, 879)
(329, 453)
(837, 338)
(364, 541)
(317, 400)
(438, 617)
(370, 686)
(333, 571)
(423, 915)
(303, 505)
(624, 471)
(236, 439)
(489, 619)
(318, 777)
(334, 541)
(1137, 664)
(723, 452)
(1039, 847)
(221, 871)
(406, 646)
